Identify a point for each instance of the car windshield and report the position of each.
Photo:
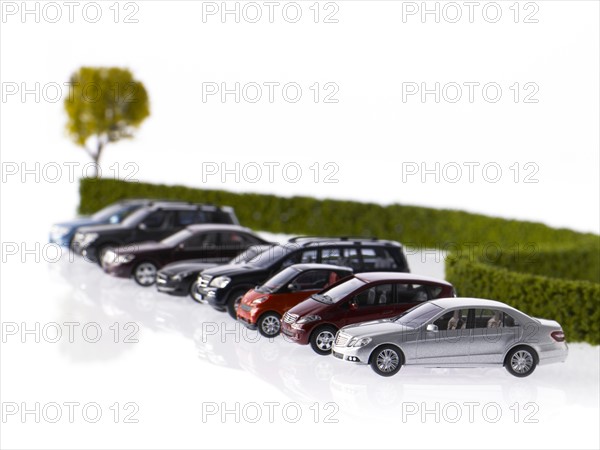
(177, 238)
(418, 315)
(278, 280)
(269, 256)
(136, 217)
(119, 211)
(340, 291)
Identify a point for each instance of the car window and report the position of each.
(453, 320)
(312, 280)
(308, 256)
(377, 258)
(493, 318)
(411, 293)
(380, 295)
(331, 256)
(232, 239)
(202, 240)
(189, 217)
(155, 220)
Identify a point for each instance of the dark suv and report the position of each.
(150, 223)
(224, 286)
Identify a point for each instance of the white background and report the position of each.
(369, 134)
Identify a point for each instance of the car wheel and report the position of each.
(521, 361)
(235, 298)
(269, 324)
(322, 339)
(386, 360)
(145, 274)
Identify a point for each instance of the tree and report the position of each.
(105, 104)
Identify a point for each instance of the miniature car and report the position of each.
(223, 287)
(263, 306)
(211, 243)
(454, 332)
(149, 223)
(177, 278)
(62, 233)
(361, 298)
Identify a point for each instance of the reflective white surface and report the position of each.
(189, 355)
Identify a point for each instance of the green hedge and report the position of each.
(548, 272)
(574, 304)
(412, 225)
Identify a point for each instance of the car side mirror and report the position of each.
(181, 246)
(292, 287)
(432, 328)
(353, 306)
(113, 219)
(143, 226)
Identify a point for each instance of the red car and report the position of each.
(361, 298)
(263, 306)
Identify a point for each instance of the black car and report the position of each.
(150, 223)
(177, 278)
(210, 242)
(224, 286)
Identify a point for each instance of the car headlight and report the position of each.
(180, 276)
(88, 238)
(260, 300)
(220, 282)
(124, 259)
(58, 232)
(307, 319)
(359, 342)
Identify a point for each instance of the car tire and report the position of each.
(234, 300)
(321, 340)
(386, 360)
(269, 324)
(144, 273)
(521, 361)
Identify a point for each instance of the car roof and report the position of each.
(313, 266)
(198, 227)
(306, 241)
(469, 302)
(370, 277)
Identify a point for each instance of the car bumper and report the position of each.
(357, 355)
(554, 353)
(120, 271)
(167, 286)
(212, 296)
(294, 334)
(246, 322)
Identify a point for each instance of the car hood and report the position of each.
(80, 222)
(108, 228)
(191, 265)
(231, 270)
(310, 306)
(375, 328)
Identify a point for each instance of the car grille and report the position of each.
(246, 308)
(290, 318)
(341, 339)
(204, 281)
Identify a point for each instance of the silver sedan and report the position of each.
(454, 332)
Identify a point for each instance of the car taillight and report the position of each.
(558, 336)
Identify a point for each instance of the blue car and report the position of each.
(62, 233)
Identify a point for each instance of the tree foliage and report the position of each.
(105, 104)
